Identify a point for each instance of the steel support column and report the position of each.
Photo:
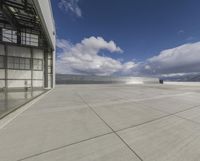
(31, 70)
(1, 34)
(6, 75)
(46, 69)
(6, 66)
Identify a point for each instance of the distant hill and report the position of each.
(89, 79)
(80, 79)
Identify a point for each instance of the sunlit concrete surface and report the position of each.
(107, 123)
(11, 100)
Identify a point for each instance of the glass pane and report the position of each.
(9, 35)
(10, 62)
(37, 64)
(1, 62)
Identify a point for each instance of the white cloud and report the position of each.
(128, 67)
(147, 67)
(70, 6)
(181, 59)
(84, 58)
(178, 74)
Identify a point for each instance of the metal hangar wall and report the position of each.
(27, 45)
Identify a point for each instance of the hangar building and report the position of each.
(27, 45)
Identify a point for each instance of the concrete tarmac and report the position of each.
(110, 122)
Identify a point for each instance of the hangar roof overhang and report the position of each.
(28, 16)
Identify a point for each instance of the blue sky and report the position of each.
(150, 34)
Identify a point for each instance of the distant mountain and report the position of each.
(80, 79)
(90, 79)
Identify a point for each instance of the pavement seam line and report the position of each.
(187, 109)
(134, 126)
(111, 128)
(15, 114)
(146, 99)
(160, 118)
(62, 147)
(189, 120)
(175, 114)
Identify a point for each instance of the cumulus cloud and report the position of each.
(70, 6)
(173, 75)
(85, 58)
(175, 62)
(181, 59)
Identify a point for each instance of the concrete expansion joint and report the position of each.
(110, 127)
(13, 115)
(171, 114)
(68, 125)
(195, 122)
(134, 126)
(62, 147)
(160, 118)
(143, 99)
